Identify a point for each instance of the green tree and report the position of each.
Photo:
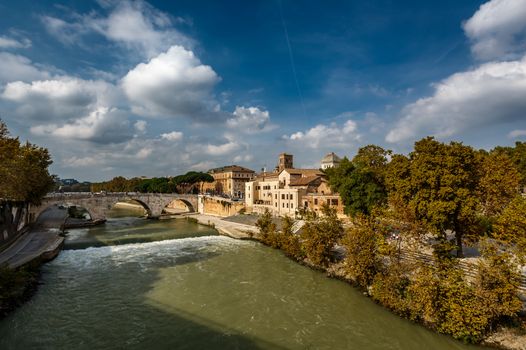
(360, 185)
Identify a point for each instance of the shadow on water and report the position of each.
(71, 317)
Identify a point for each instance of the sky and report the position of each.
(159, 88)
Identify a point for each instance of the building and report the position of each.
(229, 180)
(289, 190)
(331, 160)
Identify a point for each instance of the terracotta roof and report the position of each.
(267, 176)
(303, 172)
(229, 168)
(304, 181)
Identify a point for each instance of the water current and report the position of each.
(141, 284)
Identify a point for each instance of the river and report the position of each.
(141, 284)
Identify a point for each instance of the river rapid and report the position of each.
(141, 284)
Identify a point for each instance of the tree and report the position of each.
(360, 185)
(510, 226)
(517, 155)
(267, 227)
(362, 258)
(499, 183)
(438, 185)
(320, 235)
(25, 178)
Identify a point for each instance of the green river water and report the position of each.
(140, 284)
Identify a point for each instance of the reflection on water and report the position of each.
(207, 292)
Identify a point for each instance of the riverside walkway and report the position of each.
(36, 244)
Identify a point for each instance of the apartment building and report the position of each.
(287, 191)
(229, 180)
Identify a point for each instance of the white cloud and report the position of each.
(60, 98)
(173, 136)
(250, 120)
(243, 158)
(10, 43)
(221, 150)
(516, 134)
(82, 162)
(173, 84)
(19, 68)
(326, 136)
(140, 126)
(136, 25)
(103, 125)
(491, 94)
(498, 30)
(203, 166)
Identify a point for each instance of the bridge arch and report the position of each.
(55, 215)
(179, 205)
(142, 204)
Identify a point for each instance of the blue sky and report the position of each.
(159, 88)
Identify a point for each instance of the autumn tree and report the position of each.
(438, 185)
(362, 259)
(499, 183)
(319, 236)
(510, 226)
(25, 179)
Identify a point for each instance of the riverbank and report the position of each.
(226, 228)
(511, 336)
(17, 286)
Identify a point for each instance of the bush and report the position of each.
(363, 260)
(319, 236)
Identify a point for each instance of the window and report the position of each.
(287, 205)
(334, 202)
(315, 201)
(282, 196)
(292, 205)
(276, 205)
(283, 204)
(276, 196)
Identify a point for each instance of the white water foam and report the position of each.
(144, 253)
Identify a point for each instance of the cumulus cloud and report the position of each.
(250, 120)
(19, 68)
(516, 134)
(221, 150)
(11, 43)
(140, 126)
(173, 136)
(491, 94)
(103, 125)
(326, 136)
(61, 98)
(498, 30)
(135, 25)
(173, 84)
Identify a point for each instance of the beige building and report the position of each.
(229, 180)
(331, 160)
(289, 190)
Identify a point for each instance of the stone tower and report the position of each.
(285, 162)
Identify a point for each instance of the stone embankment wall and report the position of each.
(221, 206)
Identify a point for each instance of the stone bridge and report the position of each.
(98, 204)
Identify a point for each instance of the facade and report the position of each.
(289, 191)
(229, 180)
(331, 160)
